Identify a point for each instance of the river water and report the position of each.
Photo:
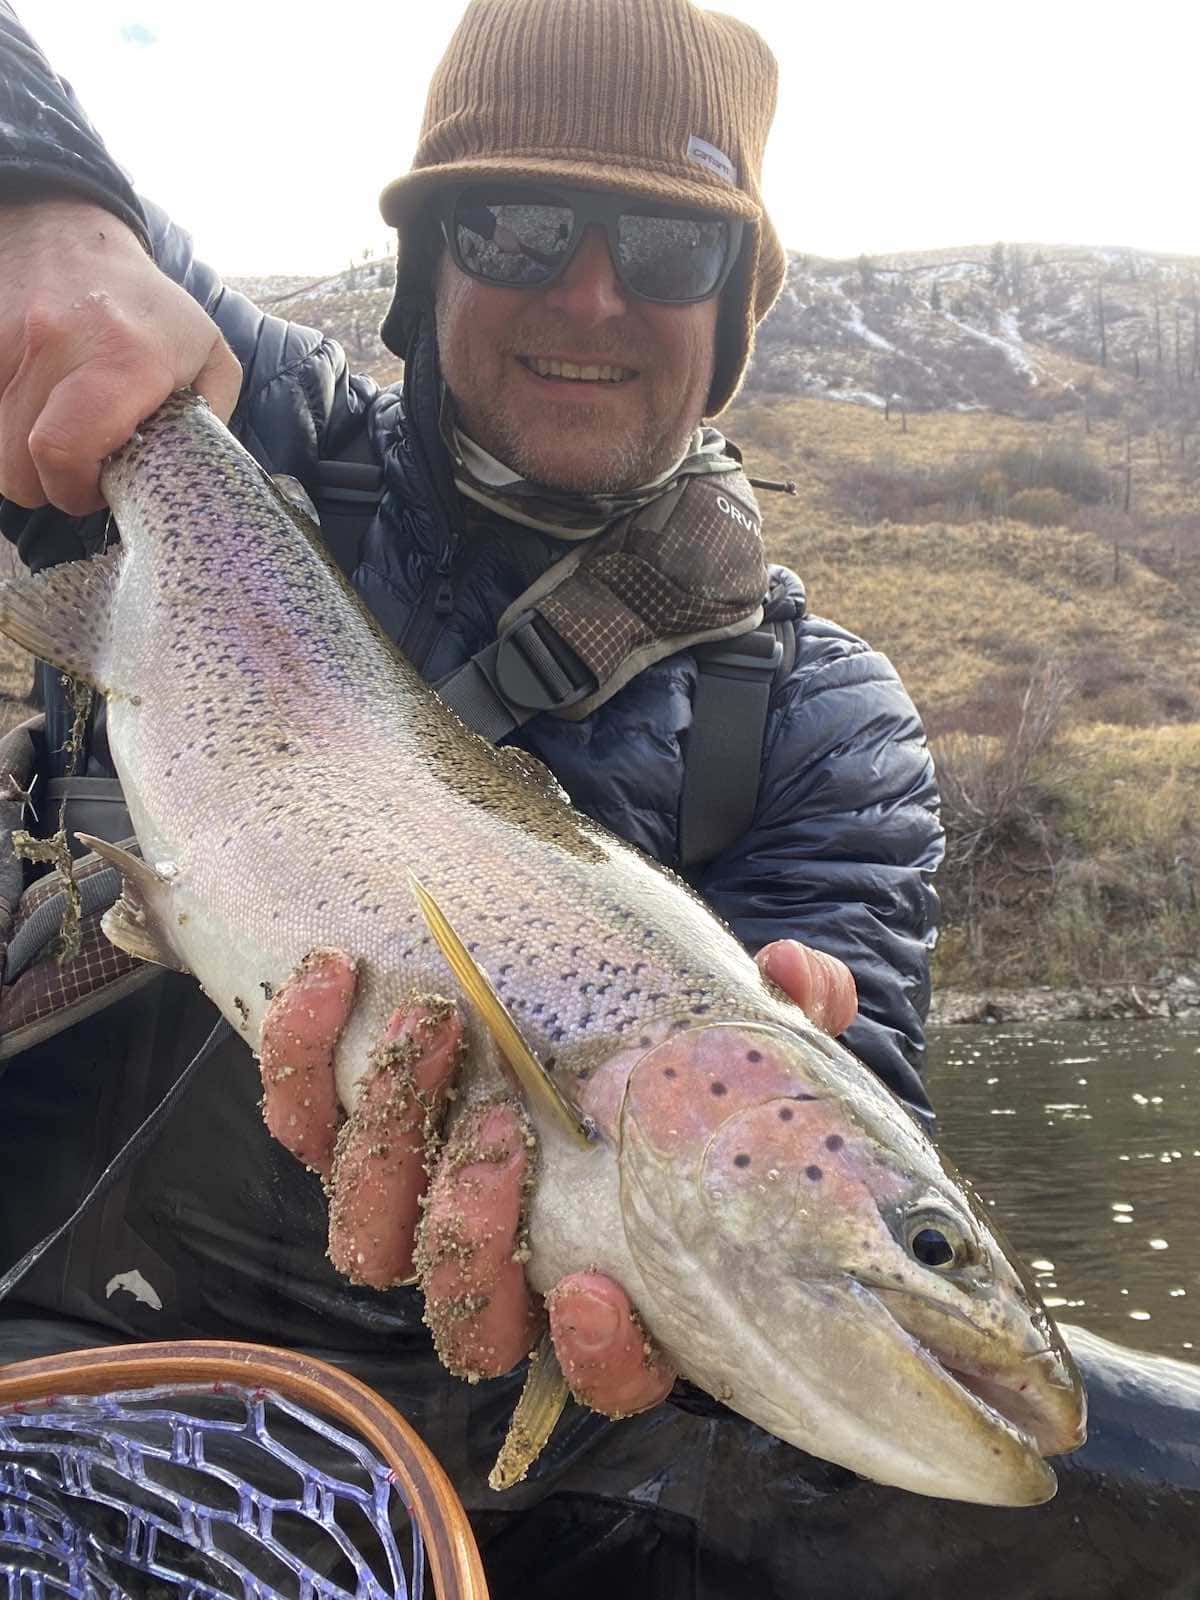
(1085, 1140)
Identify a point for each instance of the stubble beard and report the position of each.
(577, 448)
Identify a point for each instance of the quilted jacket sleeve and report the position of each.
(298, 400)
(844, 843)
(46, 143)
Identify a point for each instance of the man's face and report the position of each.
(590, 435)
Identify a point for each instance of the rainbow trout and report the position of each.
(791, 1239)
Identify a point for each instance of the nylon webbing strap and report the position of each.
(124, 1158)
(472, 693)
(514, 678)
(724, 749)
(348, 491)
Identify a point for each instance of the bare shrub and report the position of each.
(1119, 686)
(978, 486)
(1067, 468)
(886, 493)
(995, 807)
(1043, 508)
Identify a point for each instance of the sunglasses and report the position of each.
(524, 238)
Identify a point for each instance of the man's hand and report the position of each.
(483, 1316)
(93, 338)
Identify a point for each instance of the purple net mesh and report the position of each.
(197, 1492)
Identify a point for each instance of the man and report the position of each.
(583, 259)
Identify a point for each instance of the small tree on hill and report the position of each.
(866, 273)
(1016, 271)
(996, 267)
(935, 297)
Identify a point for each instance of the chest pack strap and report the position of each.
(723, 760)
(348, 491)
(529, 669)
(524, 672)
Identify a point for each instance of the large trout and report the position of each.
(792, 1240)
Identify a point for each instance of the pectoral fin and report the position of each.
(538, 1409)
(62, 616)
(537, 1084)
(139, 921)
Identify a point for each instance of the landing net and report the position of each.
(197, 1492)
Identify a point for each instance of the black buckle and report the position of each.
(759, 652)
(537, 670)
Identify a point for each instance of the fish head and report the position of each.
(828, 1273)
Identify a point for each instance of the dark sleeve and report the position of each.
(46, 142)
(845, 840)
(299, 402)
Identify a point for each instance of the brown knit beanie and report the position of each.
(655, 98)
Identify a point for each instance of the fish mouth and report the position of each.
(1041, 1401)
(899, 1413)
(1049, 1430)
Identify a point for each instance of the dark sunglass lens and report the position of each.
(511, 242)
(672, 258)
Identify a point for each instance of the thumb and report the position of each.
(821, 985)
(220, 379)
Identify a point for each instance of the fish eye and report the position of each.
(938, 1241)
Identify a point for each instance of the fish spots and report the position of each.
(670, 1072)
(754, 1056)
(741, 1159)
(814, 1174)
(834, 1142)
(786, 1113)
(717, 1087)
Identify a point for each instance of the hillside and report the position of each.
(1028, 329)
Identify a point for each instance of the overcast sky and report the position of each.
(269, 128)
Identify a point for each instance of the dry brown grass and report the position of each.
(963, 608)
(1099, 879)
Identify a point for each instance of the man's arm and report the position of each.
(845, 841)
(47, 145)
(93, 337)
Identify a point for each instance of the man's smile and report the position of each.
(553, 369)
